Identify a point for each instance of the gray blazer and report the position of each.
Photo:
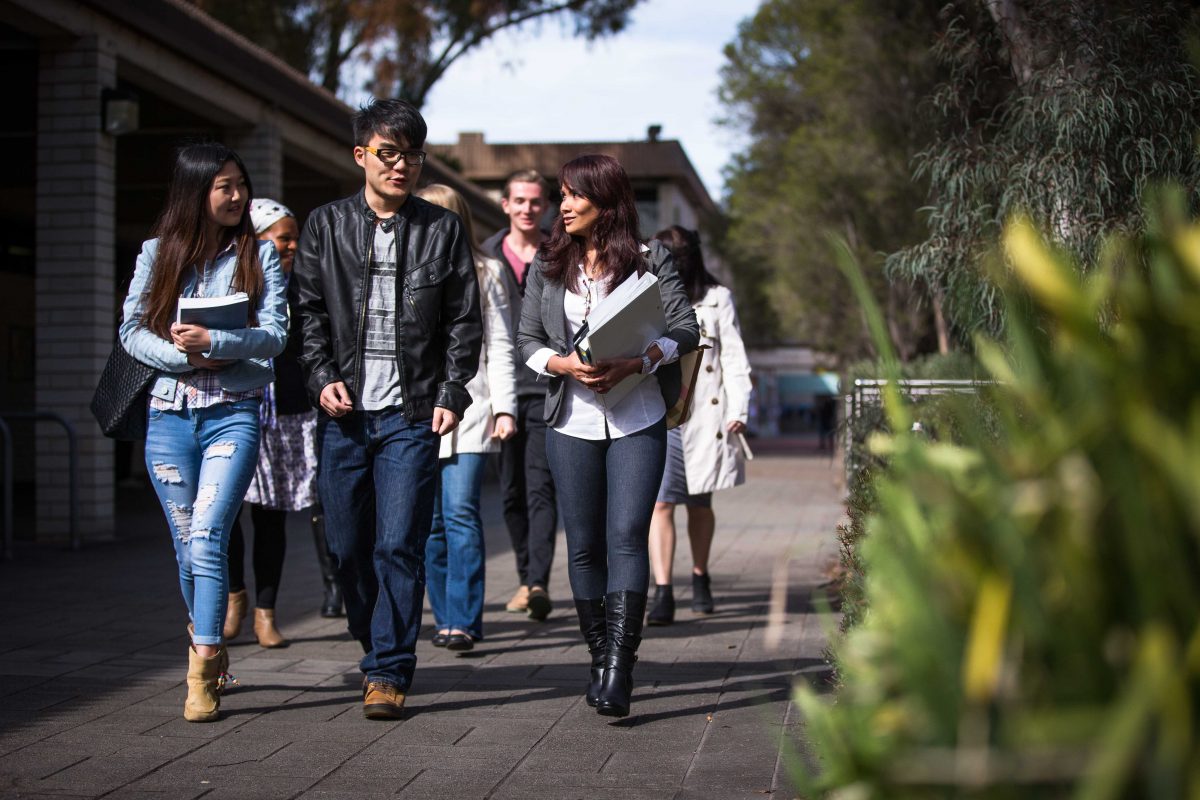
(543, 324)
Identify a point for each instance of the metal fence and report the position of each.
(868, 393)
(72, 468)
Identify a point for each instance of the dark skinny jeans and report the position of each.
(606, 490)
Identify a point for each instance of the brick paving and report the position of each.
(93, 656)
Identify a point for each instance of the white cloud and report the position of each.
(542, 84)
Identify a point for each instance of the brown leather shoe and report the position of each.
(264, 628)
(382, 701)
(520, 601)
(235, 612)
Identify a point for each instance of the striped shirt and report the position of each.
(381, 377)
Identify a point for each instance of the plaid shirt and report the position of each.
(201, 388)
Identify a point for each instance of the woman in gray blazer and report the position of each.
(606, 458)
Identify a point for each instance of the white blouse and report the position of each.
(585, 414)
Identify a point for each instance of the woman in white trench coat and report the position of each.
(454, 553)
(706, 454)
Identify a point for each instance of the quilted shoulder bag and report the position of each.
(119, 403)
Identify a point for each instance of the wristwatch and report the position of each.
(647, 364)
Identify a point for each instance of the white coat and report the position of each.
(713, 458)
(493, 389)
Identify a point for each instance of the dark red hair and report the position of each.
(614, 234)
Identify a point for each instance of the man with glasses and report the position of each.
(385, 286)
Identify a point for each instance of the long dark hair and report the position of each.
(689, 260)
(602, 180)
(182, 234)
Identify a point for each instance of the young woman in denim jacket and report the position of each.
(202, 435)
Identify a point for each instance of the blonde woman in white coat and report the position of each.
(454, 556)
(706, 454)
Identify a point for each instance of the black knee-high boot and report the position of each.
(624, 613)
(594, 629)
(332, 606)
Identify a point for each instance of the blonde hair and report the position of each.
(442, 195)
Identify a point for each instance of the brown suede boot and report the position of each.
(234, 614)
(264, 628)
(204, 682)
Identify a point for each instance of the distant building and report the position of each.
(666, 186)
(97, 95)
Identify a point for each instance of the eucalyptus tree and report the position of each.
(1065, 110)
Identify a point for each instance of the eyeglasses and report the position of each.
(389, 157)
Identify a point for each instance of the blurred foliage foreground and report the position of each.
(1032, 616)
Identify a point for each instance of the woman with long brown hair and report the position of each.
(202, 433)
(606, 458)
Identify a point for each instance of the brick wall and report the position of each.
(261, 149)
(74, 278)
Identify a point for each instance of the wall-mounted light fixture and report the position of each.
(120, 111)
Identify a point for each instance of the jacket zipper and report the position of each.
(362, 316)
(401, 246)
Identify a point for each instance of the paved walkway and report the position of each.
(92, 659)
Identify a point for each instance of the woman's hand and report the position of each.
(202, 362)
(571, 367)
(504, 427)
(190, 338)
(736, 426)
(612, 371)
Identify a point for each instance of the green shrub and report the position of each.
(1033, 579)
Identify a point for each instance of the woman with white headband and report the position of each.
(285, 478)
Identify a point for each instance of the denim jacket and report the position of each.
(250, 348)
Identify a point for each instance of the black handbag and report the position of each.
(119, 404)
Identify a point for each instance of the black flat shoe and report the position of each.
(459, 642)
(440, 639)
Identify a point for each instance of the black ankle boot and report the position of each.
(623, 613)
(332, 606)
(702, 600)
(662, 611)
(593, 627)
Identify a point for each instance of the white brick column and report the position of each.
(76, 166)
(261, 149)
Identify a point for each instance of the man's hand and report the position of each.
(335, 399)
(202, 362)
(444, 420)
(737, 426)
(190, 338)
(505, 427)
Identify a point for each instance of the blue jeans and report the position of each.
(200, 461)
(377, 478)
(454, 556)
(606, 490)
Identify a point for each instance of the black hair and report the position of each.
(684, 245)
(604, 183)
(397, 120)
(181, 232)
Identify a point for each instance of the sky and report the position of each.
(542, 84)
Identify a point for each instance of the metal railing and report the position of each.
(869, 391)
(72, 472)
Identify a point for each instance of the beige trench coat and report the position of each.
(493, 389)
(713, 457)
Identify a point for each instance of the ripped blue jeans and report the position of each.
(200, 462)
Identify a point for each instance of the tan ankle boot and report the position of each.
(234, 614)
(264, 628)
(204, 686)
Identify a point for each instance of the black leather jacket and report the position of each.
(438, 326)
